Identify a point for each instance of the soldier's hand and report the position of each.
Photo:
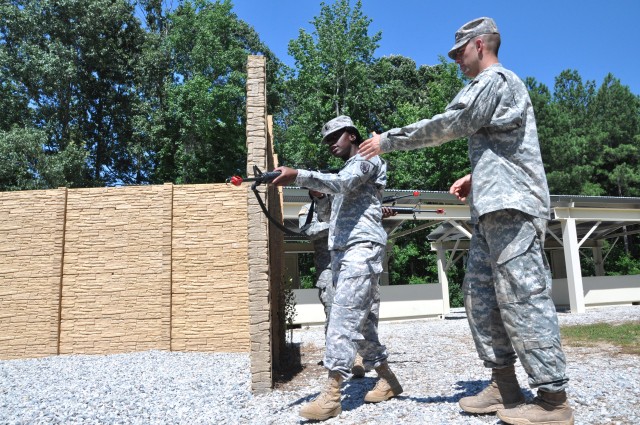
(287, 176)
(388, 212)
(461, 188)
(370, 147)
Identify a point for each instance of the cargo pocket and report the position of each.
(540, 360)
(515, 244)
(362, 259)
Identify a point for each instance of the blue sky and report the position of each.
(540, 39)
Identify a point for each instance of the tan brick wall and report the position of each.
(210, 294)
(116, 285)
(31, 237)
(117, 255)
(112, 270)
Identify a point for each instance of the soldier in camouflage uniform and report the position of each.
(507, 285)
(357, 243)
(317, 228)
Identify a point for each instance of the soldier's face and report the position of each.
(467, 58)
(339, 144)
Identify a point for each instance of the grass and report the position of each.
(625, 336)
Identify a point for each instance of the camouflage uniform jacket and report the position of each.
(356, 209)
(494, 110)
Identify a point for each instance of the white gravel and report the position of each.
(434, 359)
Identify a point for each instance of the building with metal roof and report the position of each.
(577, 223)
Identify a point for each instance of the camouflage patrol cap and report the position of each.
(338, 123)
(471, 30)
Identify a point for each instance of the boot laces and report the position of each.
(325, 394)
(382, 385)
(321, 400)
(537, 402)
(493, 385)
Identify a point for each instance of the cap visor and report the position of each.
(452, 52)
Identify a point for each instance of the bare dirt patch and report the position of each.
(297, 375)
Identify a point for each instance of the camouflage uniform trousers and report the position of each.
(353, 324)
(507, 296)
(324, 283)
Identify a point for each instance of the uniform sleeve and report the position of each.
(356, 172)
(468, 112)
(317, 228)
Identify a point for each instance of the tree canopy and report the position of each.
(104, 92)
(145, 102)
(109, 92)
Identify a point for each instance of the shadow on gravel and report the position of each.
(290, 364)
(465, 388)
(430, 400)
(354, 391)
(468, 388)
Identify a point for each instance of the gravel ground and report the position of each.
(434, 359)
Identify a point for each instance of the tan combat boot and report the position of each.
(327, 404)
(545, 409)
(358, 367)
(387, 386)
(502, 393)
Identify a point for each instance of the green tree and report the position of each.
(616, 119)
(13, 99)
(74, 62)
(588, 137)
(406, 94)
(25, 165)
(153, 77)
(199, 123)
(331, 78)
(541, 99)
(571, 148)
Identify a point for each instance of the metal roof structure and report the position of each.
(576, 222)
(295, 198)
(598, 217)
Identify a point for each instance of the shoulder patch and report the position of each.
(365, 167)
